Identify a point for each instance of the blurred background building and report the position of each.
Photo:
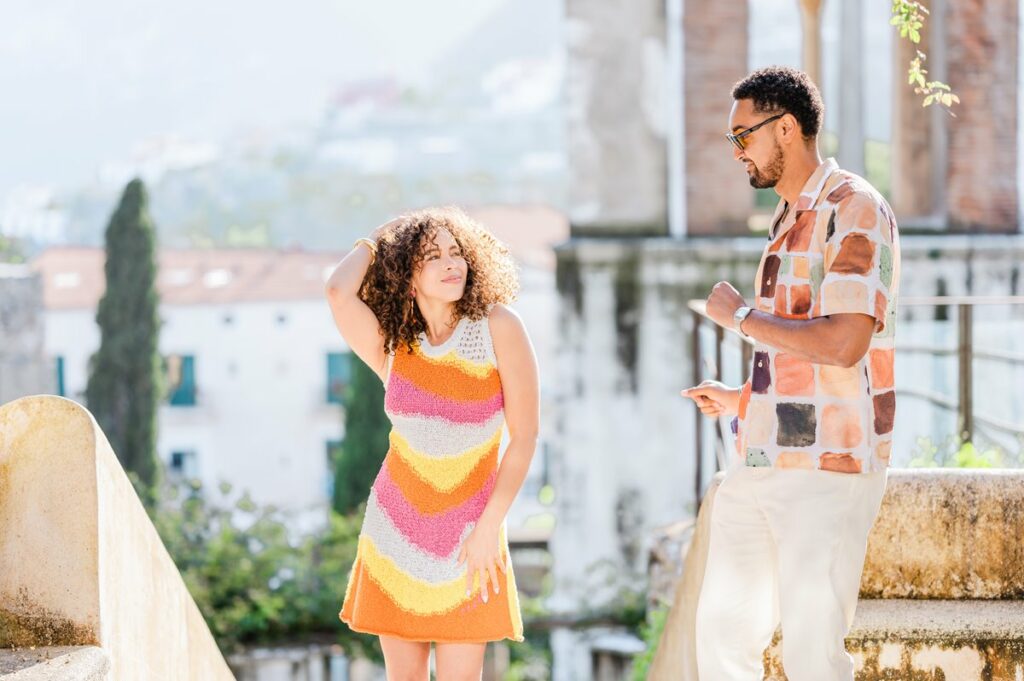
(660, 211)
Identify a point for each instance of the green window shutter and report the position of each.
(183, 385)
(60, 377)
(339, 373)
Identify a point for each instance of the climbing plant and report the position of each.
(908, 17)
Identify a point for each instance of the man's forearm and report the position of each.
(819, 340)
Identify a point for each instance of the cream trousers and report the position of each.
(786, 547)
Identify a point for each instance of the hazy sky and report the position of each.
(83, 82)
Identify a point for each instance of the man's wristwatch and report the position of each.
(738, 317)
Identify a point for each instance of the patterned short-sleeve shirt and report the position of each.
(835, 251)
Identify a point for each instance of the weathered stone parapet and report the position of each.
(948, 534)
(940, 593)
(80, 561)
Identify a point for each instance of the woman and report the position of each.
(423, 302)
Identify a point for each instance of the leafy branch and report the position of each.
(908, 16)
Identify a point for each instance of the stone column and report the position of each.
(617, 110)
(960, 173)
(718, 195)
(851, 87)
(810, 18)
(915, 157)
(981, 177)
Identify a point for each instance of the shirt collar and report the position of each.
(808, 196)
(812, 188)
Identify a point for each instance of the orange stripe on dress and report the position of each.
(446, 381)
(426, 498)
(469, 620)
(403, 397)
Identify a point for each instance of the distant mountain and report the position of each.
(485, 129)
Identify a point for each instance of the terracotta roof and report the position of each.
(73, 275)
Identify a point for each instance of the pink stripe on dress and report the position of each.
(439, 534)
(405, 398)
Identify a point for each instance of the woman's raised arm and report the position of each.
(355, 320)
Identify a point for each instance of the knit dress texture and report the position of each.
(447, 414)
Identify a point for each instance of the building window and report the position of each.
(339, 373)
(60, 377)
(333, 451)
(184, 464)
(181, 380)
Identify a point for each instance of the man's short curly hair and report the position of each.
(781, 89)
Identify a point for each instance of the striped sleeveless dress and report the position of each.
(446, 409)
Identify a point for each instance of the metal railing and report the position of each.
(965, 352)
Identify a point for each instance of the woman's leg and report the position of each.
(459, 661)
(405, 660)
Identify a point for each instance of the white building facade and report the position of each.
(254, 378)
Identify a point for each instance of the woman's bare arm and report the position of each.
(517, 367)
(354, 319)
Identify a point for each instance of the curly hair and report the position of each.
(781, 89)
(491, 276)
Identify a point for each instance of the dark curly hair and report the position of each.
(491, 276)
(781, 89)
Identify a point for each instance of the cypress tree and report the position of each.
(124, 386)
(366, 438)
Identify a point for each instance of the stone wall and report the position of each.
(617, 84)
(24, 370)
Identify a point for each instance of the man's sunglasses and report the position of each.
(737, 139)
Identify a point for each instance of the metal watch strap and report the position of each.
(739, 316)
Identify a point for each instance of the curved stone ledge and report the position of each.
(969, 640)
(87, 663)
(80, 561)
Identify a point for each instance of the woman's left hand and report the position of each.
(481, 553)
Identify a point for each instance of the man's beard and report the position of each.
(771, 174)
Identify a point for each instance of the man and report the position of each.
(789, 524)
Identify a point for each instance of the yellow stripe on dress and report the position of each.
(453, 360)
(408, 593)
(443, 473)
